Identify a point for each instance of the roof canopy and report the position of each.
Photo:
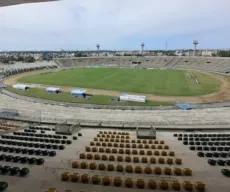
(4, 3)
(77, 92)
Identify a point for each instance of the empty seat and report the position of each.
(120, 168)
(107, 150)
(129, 182)
(88, 149)
(144, 160)
(138, 169)
(94, 149)
(169, 161)
(140, 183)
(187, 172)
(75, 164)
(117, 181)
(200, 186)
(82, 156)
(106, 180)
(128, 159)
(177, 171)
(96, 179)
(161, 160)
(167, 171)
(176, 185)
(148, 170)
(164, 184)
(101, 166)
(136, 159)
(152, 184)
(65, 176)
(111, 158)
(89, 156)
(129, 169)
(157, 170)
(142, 152)
(188, 185)
(110, 167)
(119, 158)
(134, 152)
(157, 153)
(74, 177)
(85, 178)
(178, 161)
(114, 150)
(101, 150)
(104, 157)
(159, 147)
(84, 165)
(92, 166)
(97, 157)
(149, 152)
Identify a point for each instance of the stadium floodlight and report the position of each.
(4, 3)
(142, 48)
(98, 49)
(195, 43)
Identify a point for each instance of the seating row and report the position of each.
(22, 138)
(130, 183)
(35, 145)
(202, 135)
(220, 162)
(41, 135)
(131, 169)
(42, 128)
(207, 143)
(113, 136)
(127, 145)
(9, 125)
(29, 131)
(215, 154)
(130, 151)
(200, 148)
(23, 160)
(55, 190)
(113, 133)
(203, 139)
(27, 151)
(13, 171)
(120, 158)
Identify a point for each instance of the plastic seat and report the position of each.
(162, 142)
(144, 141)
(101, 150)
(97, 157)
(177, 171)
(93, 166)
(178, 161)
(157, 170)
(98, 144)
(134, 146)
(107, 150)
(104, 157)
(109, 144)
(167, 171)
(82, 156)
(129, 169)
(138, 141)
(176, 185)
(65, 176)
(134, 152)
(153, 146)
(112, 140)
(133, 141)
(94, 149)
(89, 156)
(110, 167)
(101, 166)
(103, 144)
(85, 178)
(107, 139)
(171, 153)
(140, 146)
(163, 153)
(75, 164)
(140, 183)
(111, 158)
(164, 184)
(144, 160)
(119, 158)
(152, 184)
(161, 160)
(157, 153)
(120, 168)
(96, 179)
(187, 172)
(149, 152)
(128, 159)
(156, 142)
(84, 165)
(114, 150)
(142, 152)
(117, 181)
(188, 185)
(200, 186)
(74, 177)
(127, 151)
(127, 145)
(106, 180)
(148, 170)
(129, 182)
(121, 151)
(138, 169)
(136, 159)
(92, 143)
(159, 147)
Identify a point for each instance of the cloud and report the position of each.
(83, 23)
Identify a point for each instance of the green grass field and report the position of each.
(159, 82)
(66, 97)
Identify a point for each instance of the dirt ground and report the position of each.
(223, 94)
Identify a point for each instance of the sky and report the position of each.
(115, 25)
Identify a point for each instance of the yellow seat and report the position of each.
(152, 184)
(169, 161)
(75, 164)
(85, 178)
(65, 176)
(161, 160)
(159, 147)
(52, 190)
(167, 171)
(106, 180)
(74, 177)
(187, 172)
(110, 167)
(84, 165)
(178, 161)
(82, 156)
(177, 171)
(120, 168)
(89, 156)
(148, 170)
(157, 170)
(200, 186)
(92, 166)
(129, 182)
(138, 169)
(157, 153)
(117, 181)
(164, 184)
(176, 185)
(171, 153)
(188, 185)
(140, 183)
(129, 169)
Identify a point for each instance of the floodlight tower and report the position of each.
(142, 48)
(195, 43)
(98, 49)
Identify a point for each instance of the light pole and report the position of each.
(142, 48)
(195, 43)
(98, 49)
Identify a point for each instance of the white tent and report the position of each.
(136, 98)
(53, 90)
(21, 87)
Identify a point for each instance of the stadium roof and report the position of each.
(4, 3)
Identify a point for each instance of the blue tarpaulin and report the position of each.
(185, 106)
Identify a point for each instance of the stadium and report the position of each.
(115, 123)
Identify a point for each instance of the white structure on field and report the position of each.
(21, 87)
(135, 98)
